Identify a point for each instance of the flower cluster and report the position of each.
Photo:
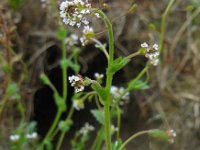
(88, 33)
(113, 128)
(86, 128)
(117, 92)
(171, 134)
(77, 83)
(151, 53)
(32, 135)
(73, 12)
(98, 75)
(71, 40)
(14, 137)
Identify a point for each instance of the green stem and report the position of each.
(107, 126)
(135, 80)
(118, 122)
(108, 78)
(69, 116)
(133, 55)
(163, 24)
(64, 72)
(98, 140)
(53, 126)
(110, 33)
(133, 137)
(60, 141)
(64, 95)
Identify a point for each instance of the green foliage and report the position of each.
(152, 27)
(116, 145)
(12, 90)
(79, 141)
(62, 33)
(60, 102)
(48, 145)
(133, 8)
(45, 79)
(65, 125)
(15, 4)
(6, 68)
(102, 93)
(137, 85)
(117, 64)
(65, 63)
(98, 115)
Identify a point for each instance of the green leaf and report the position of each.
(137, 85)
(60, 102)
(45, 79)
(159, 134)
(62, 33)
(132, 9)
(65, 125)
(117, 64)
(101, 92)
(98, 115)
(12, 89)
(152, 27)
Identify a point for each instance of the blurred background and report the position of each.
(171, 102)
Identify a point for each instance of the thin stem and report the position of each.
(118, 122)
(110, 33)
(64, 71)
(98, 140)
(133, 55)
(163, 24)
(133, 137)
(108, 78)
(59, 113)
(61, 138)
(71, 111)
(53, 126)
(101, 47)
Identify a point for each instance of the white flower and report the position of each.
(113, 128)
(32, 135)
(88, 33)
(117, 92)
(77, 83)
(71, 40)
(73, 12)
(155, 46)
(97, 15)
(14, 137)
(144, 45)
(98, 75)
(86, 128)
(152, 53)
